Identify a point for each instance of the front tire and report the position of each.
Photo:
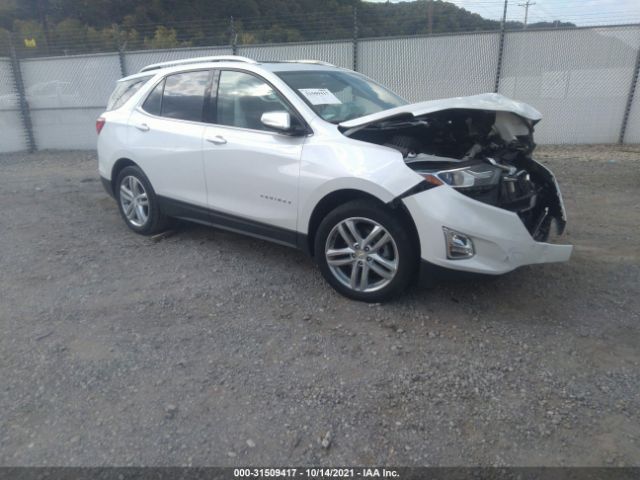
(138, 203)
(365, 252)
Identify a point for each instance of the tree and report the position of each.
(70, 34)
(5, 42)
(8, 11)
(113, 38)
(247, 38)
(88, 25)
(164, 38)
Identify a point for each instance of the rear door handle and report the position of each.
(143, 127)
(217, 140)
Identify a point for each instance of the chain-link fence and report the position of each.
(583, 80)
(134, 61)
(66, 95)
(426, 68)
(339, 53)
(579, 79)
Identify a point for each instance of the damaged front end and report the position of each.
(481, 146)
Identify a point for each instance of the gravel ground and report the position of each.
(209, 348)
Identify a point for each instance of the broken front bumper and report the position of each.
(500, 239)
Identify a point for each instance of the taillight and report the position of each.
(99, 124)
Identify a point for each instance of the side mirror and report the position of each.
(280, 121)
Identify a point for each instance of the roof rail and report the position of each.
(311, 62)
(186, 61)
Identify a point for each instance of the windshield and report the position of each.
(338, 96)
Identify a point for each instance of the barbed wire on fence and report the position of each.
(72, 37)
(581, 77)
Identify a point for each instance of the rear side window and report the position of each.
(184, 95)
(124, 91)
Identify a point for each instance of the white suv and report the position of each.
(324, 159)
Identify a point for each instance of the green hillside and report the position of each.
(65, 26)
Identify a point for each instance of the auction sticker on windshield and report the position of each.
(320, 96)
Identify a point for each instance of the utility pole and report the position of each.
(526, 6)
(430, 16)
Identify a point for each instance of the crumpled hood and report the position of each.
(484, 101)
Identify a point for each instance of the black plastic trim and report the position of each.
(303, 243)
(417, 188)
(107, 186)
(207, 216)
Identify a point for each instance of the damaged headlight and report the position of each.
(474, 176)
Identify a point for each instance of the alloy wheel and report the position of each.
(134, 201)
(362, 254)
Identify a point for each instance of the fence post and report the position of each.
(501, 47)
(632, 91)
(355, 39)
(122, 46)
(234, 38)
(25, 113)
(121, 58)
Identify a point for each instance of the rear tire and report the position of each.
(366, 252)
(138, 203)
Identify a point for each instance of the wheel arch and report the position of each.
(336, 198)
(118, 166)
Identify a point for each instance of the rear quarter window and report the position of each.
(124, 91)
(153, 103)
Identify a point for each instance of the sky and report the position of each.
(580, 12)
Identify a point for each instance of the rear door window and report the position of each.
(183, 97)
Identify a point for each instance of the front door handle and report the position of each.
(217, 140)
(143, 127)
